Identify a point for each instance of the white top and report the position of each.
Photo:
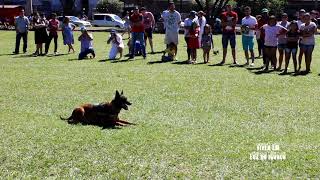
(119, 40)
(271, 33)
(187, 23)
(309, 28)
(299, 23)
(251, 22)
(282, 39)
(202, 23)
(171, 20)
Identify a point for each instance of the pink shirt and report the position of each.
(53, 26)
(148, 20)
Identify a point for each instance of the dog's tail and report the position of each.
(65, 119)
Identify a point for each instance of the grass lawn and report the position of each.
(194, 121)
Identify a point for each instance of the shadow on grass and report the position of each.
(219, 64)
(181, 62)
(158, 62)
(7, 54)
(302, 73)
(157, 52)
(54, 55)
(26, 56)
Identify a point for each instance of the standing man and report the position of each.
(249, 24)
(229, 21)
(137, 32)
(172, 20)
(53, 27)
(22, 27)
(202, 22)
(149, 24)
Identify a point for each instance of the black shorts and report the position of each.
(148, 33)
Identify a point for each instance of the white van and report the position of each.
(107, 20)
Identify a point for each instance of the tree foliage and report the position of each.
(110, 6)
(275, 7)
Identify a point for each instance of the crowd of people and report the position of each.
(288, 38)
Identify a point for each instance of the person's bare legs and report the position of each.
(281, 53)
(294, 58)
(225, 50)
(287, 59)
(252, 55)
(246, 53)
(274, 57)
(308, 59)
(151, 44)
(234, 55)
(301, 52)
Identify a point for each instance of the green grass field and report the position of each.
(194, 121)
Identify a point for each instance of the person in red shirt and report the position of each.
(53, 33)
(137, 32)
(229, 20)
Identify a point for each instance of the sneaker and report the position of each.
(15, 52)
(235, 63)
(246, 64)
(251, 65)
(221, 63)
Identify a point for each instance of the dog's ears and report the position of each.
(117, 94)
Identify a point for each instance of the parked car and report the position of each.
(76, 21)
(107, 20)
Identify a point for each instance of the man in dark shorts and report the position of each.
(149, 24)
(229, 21)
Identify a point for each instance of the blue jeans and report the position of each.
(137, 36)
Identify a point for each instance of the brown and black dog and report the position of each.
(103, 114)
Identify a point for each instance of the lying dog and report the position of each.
(103, 114)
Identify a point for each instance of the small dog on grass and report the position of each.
(171, 51)
(103, 114)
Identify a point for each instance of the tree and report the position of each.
(275, 7)
(68, 6)
(212, 7)
(110, 6)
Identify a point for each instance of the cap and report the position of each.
(143, 9)
(113, 31)
(136, 8)
(201, 12)
(193, 13)
(82, 29)
(302, 11)
(264, 10)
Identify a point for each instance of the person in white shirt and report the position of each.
(116, 45)
(249, 24)
(172, 20)
(307, 30)
(202, 23)
(272, 32)
(282, 39)
(300, 21)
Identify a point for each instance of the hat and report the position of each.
(136, 8)
(113, 31)
(193, 13)
(264, 10)
(143, 9)
(82, 29)
(284, 15)
(302, 11)
(202, 13)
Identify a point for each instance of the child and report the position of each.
(67, 33)
(307, 29)
(292, 45)
(272, 31)
(172, 51)
(206, 42)
(193, 43)
(258, 37)
(117, 45)
(86, 44)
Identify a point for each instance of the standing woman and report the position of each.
(308, 29)
(40, 33)
(67, 33)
